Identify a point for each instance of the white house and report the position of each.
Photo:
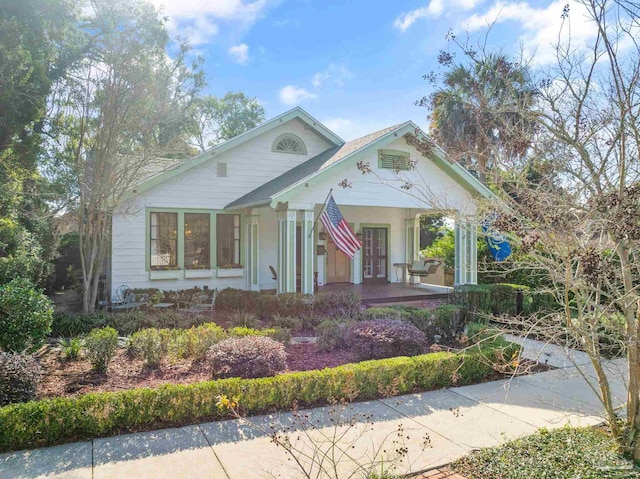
(229, 216)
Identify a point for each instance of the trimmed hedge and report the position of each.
(54, 421)
(504, 299)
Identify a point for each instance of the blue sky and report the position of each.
(356, 66)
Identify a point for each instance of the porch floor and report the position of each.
(390, 292)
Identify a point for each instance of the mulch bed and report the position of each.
(72, 378)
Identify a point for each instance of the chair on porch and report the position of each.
(274, 274)
(200, 303)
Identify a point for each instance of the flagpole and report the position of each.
(319, 214)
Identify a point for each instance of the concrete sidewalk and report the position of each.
(437, 426)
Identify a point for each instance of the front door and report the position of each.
(338, 264)
(374, 255)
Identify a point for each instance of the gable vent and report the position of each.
(393, 160)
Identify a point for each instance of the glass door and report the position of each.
(374, 255)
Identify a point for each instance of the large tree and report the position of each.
(477, 108)
(220, 119)
(39, 41)
(118, 113)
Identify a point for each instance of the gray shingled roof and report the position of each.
(264, 193)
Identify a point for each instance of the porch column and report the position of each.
(307, 254)
(253, 252)
(466, 252)
(460, 274)
(287, 251)
(410, 246)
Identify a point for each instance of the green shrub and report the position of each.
(71, 348)
(385, 338)
(148, 345)
(447, 321)
(127, 323)
(25, 316)
(332, 334)
(201, 338)
(295, 304)
(242, 331)
(53, 421)
(245, 319)
(175, 342)
(69, 325)
(247, 357)
(282, 335)
(19, 377)
(385, 313)
(288, 322)
(337, 305)
(563, 453)
(101, 345)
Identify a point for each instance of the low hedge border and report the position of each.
(59, 420)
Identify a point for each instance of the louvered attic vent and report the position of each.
(393, 160)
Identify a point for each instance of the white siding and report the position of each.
(433, 188)
(249, 165)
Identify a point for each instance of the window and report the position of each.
(197, 228)
(393, 160)
(228, 240)
(164, 240)
(289, 143)
(221, 170)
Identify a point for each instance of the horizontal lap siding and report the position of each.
(248, 166)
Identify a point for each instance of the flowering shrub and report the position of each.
(25, 316)
(385, 338)
(101, 345)
(247, 357)
(19, 378)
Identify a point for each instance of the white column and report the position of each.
(410, 246)
(307, 254)
(356, 262)
(253, 252)
(472, 250)
(287, 251)
(460, 253)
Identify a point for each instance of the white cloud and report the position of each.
(434, 9)
(200, 19)
(240, 53)
(336, 73)
(542, 26)
(291, 95)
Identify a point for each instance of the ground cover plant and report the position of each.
(566, 453)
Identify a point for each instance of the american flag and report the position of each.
(339, 230)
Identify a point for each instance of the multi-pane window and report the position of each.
(164, 240)
(197, 228)
(228, 240)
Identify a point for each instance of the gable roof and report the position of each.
(264, 194)
(186, 165)
(274, 190)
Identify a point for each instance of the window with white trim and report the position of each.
(289, 143)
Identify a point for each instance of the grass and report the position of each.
(567, 453)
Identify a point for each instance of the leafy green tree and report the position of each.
(478, 110)
(118, 113)
(219, 119)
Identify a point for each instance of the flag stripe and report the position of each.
(339, 230)
(337, 239)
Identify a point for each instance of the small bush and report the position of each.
(245, 320)
(201, 338)
(332, 334)
(175, 342)
(447, 320)
(385, 338)
(148, 345)
(385, 313)
(127, 323)
(71, 348)
(25, 316)
(69, 325)
(241, 332)
(248, 357)
(101, 345)
(282, 335)
(337, 305)
(19, 378)
(288, 322)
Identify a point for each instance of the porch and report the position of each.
(390, 292)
